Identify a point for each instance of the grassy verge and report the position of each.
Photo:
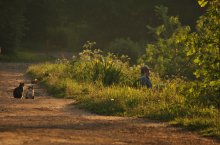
(166, 103)
(25, 56)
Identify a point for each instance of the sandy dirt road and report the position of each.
(49, 121)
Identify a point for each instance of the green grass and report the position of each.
(25, 56)
(165, 104)
(206, 126)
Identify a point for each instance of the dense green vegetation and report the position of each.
(167, 54)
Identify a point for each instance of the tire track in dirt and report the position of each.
(49, 121)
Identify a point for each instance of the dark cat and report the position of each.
(18, 91)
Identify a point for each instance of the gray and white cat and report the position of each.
(30, 93)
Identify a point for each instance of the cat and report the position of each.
(18, 91)
(30, 93)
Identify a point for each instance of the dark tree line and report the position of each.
(12, 22)
(67, 24)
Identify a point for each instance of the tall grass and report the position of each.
(107, 85)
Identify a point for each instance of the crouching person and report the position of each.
(144, 79)
(30, 93)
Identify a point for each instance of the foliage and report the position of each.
(204, 48)
(12, 24)
(167, 55)
(202, 3)
(127, 47)
(107, 70)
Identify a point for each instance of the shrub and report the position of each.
(122, 46)
(94, 67)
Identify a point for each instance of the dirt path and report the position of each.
(49, 121)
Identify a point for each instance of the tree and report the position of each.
(204, 47)
(167, 54)
(12, 23)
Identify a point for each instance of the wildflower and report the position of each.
(112, 99)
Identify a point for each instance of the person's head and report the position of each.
(145, 70)
(21, 84)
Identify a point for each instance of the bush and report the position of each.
(122, 46)
(167, 55)
(94, 67)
